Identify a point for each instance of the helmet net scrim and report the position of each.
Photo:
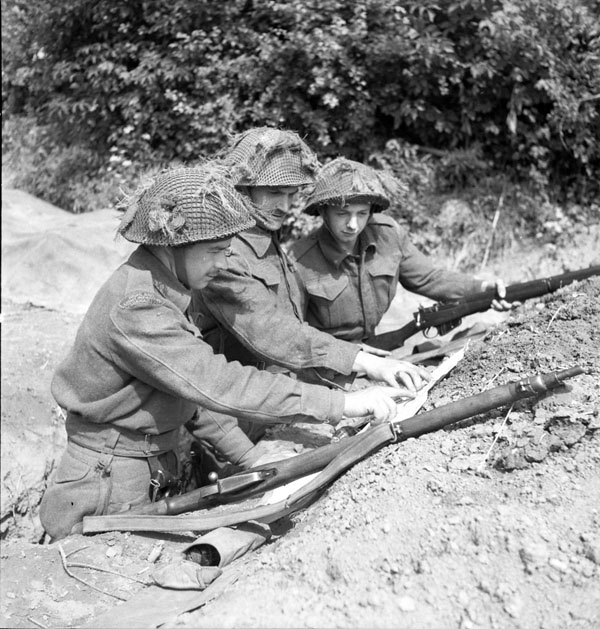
(185, 205)
(343, 180)
(270, 157)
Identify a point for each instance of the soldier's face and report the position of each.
(347, 222)
(275, 201)
(198, 263)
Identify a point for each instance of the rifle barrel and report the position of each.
(349, 451)
(442, 416)
(478, 302)
(315, 460)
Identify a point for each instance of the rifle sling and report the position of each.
(370, 441)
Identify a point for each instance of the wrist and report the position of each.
(360, 363)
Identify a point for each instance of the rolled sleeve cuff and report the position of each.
(322, 403)
(341, 357)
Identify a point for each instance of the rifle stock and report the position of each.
(447, 316)
(316, 460)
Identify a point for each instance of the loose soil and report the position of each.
(493, 522)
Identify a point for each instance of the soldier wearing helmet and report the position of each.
(139, 369)
(252, 311)
(352, 265)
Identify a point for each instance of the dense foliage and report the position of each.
(93, 90)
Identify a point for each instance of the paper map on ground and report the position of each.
(406, 409)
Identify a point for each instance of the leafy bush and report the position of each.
(481, 84)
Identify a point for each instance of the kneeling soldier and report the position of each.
(139, 368)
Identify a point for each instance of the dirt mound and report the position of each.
(53, 258)
(492, 523)
(426, 533)
(50, 259)
(434, 532)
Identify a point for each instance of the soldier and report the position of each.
(139, 368)
(252, 311)
(351, 266)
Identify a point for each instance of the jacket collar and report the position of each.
(258, 239)
(163, 279)
(333, 252)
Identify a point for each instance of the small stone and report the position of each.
(588, 569)
(155, 551)
(447, 446)
(513, 606)
(460, 463)
(592, 550)
(114, 551)
(465, 623)
(533, 555)
(406, 604)
(514, 365)
(594, 422)
(558, 564)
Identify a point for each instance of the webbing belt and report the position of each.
(120, 441)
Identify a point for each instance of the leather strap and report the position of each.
(371, 441)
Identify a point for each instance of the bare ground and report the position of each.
(493, 523)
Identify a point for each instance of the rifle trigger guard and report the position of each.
(428, 334)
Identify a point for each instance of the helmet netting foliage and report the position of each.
(343, 180)
(185, 205)
(270, 157)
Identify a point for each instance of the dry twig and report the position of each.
(74, 576)
(118, 574)
(494, 224)
(554, 316)
(496, 437)
(489, 382)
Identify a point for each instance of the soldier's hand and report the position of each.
(500, 303)
(395, 373)
(377, 401)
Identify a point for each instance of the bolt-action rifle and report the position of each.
(445, 317)
(330, 461)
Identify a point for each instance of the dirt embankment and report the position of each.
(492, 523)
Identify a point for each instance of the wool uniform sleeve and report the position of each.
(420, 275)
(153, 342)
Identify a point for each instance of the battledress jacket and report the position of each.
(139, 365)
(346, 295)
(252, 312)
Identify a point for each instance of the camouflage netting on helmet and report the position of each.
(270, 157)
(185, 205)
(343, 180)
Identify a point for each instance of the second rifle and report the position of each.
(447, 316)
